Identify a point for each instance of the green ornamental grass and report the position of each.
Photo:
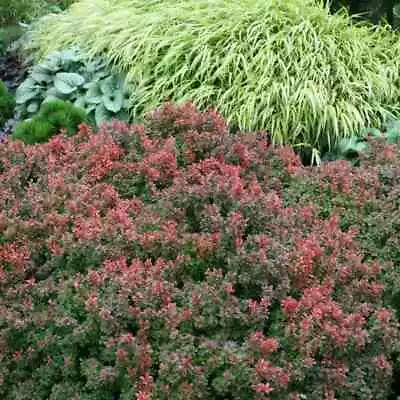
(289, 67)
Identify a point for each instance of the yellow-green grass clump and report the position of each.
(289, 67)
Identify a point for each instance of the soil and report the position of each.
(12, 70)
(12, 73)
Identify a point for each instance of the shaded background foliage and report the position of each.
(373, 10)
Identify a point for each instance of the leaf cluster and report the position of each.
(350, 148)
(70, 76)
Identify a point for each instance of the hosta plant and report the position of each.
(54, 116)
(69, 75)
(350, 148)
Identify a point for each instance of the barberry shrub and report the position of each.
(172, 260)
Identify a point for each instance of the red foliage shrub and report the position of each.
(175, 261)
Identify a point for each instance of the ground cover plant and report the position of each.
(291, 67)
(172, 260)
(53, 117)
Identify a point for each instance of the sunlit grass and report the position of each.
(284, 66)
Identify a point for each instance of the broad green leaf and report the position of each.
(101, 114)
(110, 85)
(371, 131)
(52, 92)
(52, 62)
(68, 82)
(26, 91)
(33, 107)
(41, 77)
(352, 144)
(91, 108)
(80, 102)
(123, 116)
(114, 102)
(42, 69)
(71, 55)
(96, 67)
(94, 94)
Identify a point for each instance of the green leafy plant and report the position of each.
(69, 75)
(392, 131)
(53, 117)
(289, 67)
(351, 148)
(7, 104)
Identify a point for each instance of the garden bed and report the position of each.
(166, 251)
(174, 260)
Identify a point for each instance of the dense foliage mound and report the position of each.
(175, 261)
(291, 67)
(52, 117)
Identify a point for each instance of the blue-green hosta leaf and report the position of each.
(352, 144)
(41, 77)
(127, 99)
(392, 136)
(80, 102)
(371, 131)
(392, 131)
(97, 67)
(110, 85)
(71, 55)
(123, 116)
(94, 94)
(101, 114)
(42, 69)
(114, 102)
(396, 10)
(33, 107)
(100, 75)
(26, 91)
(52, 91)
(52, 62)
(90, 108)
(51, 94)
(68, 82)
